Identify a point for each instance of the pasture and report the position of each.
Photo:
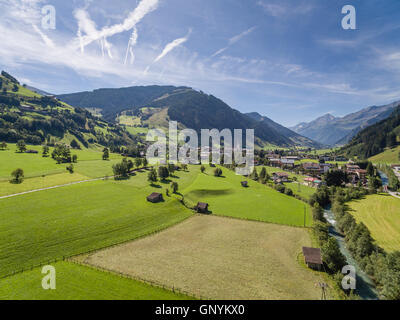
(219, 258)
(381, 215)
(76, 282)
(389, 156)
(66, 221)
(227, 197)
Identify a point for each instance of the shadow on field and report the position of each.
(205, 192)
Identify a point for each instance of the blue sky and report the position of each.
(287, 59)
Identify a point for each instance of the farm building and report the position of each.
(283, 176)
(312, 257)
(244, 184)
(155, 197)
(202, 207)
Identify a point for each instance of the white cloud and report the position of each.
(144, 7)
(279, 9)
(171, 46)
(234, 40)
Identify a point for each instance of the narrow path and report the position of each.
(54, 187)
(67, 184)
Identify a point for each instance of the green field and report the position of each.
(381, 215)
(389, 156)
(76, 282)
(227, 197)
(50, 224)
(35, 165)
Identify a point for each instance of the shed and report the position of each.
(245, 184)
(202, 207)
(155, 197)
(312, 257)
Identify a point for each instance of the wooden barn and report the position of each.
(312, 257)
(155, 197)
(202, 207)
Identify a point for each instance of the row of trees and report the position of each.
(383, 267)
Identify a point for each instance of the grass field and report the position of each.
(66, 221)
(381, 215)
(389, 156)
(35, 165)
(76, 282)
(219, 258)
(227, 197)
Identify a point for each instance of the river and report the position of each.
(364, 286)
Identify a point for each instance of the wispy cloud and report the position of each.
(144, 7)
(171, 46)
(168, 48)
(280, 9)
(234, 40)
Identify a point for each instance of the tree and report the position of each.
(171, 168)
(332, 256)
(138, 162)
(46, 150)
(254, 175)
(218, 172)
(152, 176)
(106, 154)
(75, 144)
(174, 187)
(145, 163)
(263, 173)
(62, 154)
(70, 168)
(335, 178)
(163, 173)
(21, 146)
(74, 158)
(370, 169)
(202, 168)
(18, 176)
(3, 146)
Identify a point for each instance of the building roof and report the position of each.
(311, 165)
(202, 205)
(312, 255)
(281, 174)
(154, 196)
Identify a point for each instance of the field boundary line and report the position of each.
(152, 283)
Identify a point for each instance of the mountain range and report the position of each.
(332, 131)
(375, 138)
(155, 105)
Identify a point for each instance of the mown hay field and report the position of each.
(219, 258)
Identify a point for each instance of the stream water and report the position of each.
(364, 285)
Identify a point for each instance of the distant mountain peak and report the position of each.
(331, 130)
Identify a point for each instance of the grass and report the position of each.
(66, 221)
(227, 197)
(76, 282)
(34, 165)
(389, 156)
(219, 258)
(381, 215)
